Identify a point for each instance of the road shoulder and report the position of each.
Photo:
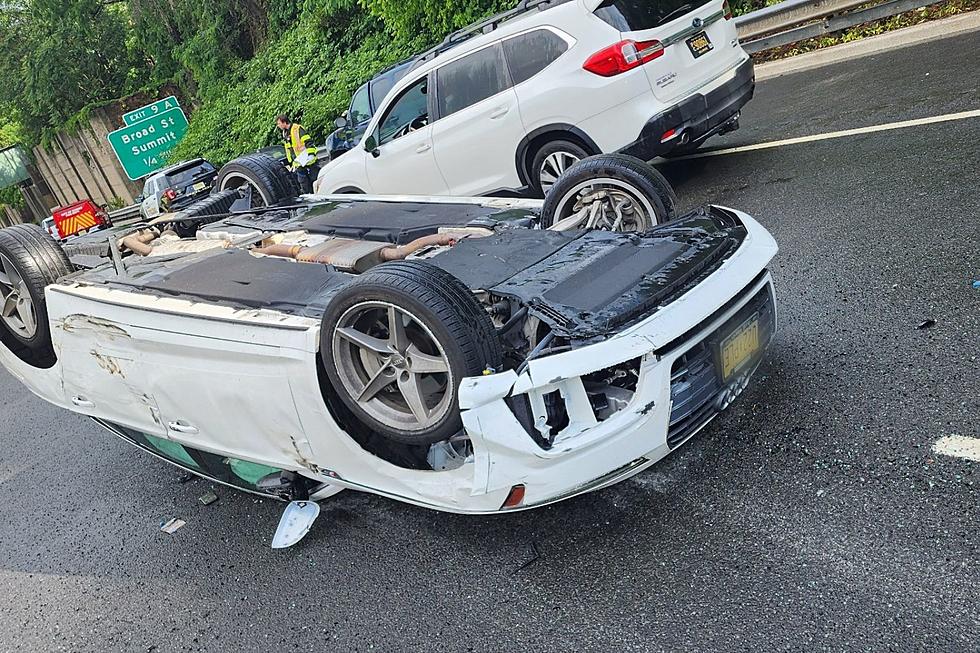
(922, 33)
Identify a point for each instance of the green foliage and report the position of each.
(408, 18)
(318, 52)
(115, 203)
(10, 135)
(60, 55)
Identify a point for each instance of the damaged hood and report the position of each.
(587, 284)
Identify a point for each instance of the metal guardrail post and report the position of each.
(126, 213)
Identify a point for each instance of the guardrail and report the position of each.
(791, 21)
(130, 212)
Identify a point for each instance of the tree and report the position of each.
(61, 55)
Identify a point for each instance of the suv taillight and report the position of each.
(727, 8)
(623, 56)
(170, 193)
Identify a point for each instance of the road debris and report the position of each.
(186, 478)
(171, 525)
(208, 498)
(976, 284)
(925, 324)
(535, 558)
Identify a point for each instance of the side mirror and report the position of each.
(341, 121)
(371, 145)
(139, 199)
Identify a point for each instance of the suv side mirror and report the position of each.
(340, 122)
(371, 145)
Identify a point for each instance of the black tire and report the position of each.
(204, 211)
(39, 262)
(267, 176)
(440, 303)
(573, 150)
(640, 178)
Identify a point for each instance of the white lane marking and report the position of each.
(959, 446)
(948, 117)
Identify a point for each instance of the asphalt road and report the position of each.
(811, 516)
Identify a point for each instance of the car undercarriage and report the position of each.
(450, 352)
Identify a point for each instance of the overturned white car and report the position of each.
(450, 353)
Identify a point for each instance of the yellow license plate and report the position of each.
(739, 347)
(699, 44)
(199, 186)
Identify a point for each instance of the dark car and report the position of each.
(354, 121)
(176, 186)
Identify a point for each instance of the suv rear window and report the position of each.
(633, 15)
(184, 177)
(528, 54)
(469, 80)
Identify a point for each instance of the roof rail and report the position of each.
(484, 27)
(392, 67)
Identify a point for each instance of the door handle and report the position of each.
(499, 112)
(424, 147)
(82, 402)
(181, 426)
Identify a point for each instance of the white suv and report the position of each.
(508, 104)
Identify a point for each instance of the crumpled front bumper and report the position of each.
(589, 453)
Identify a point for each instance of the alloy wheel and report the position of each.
(393, 366)
(17, 308)
(552, 168)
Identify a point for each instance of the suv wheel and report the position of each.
(552, 161)
(395, 345)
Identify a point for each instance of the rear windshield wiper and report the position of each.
(683, 9)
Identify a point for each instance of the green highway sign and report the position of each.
(150, 110)
(142, 147)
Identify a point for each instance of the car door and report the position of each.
(478, 125)
(401, 160)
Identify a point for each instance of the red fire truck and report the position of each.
(79, 218)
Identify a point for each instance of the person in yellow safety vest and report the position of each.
(300, 156)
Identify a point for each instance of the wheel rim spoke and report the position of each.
(381, 380)
(364, 341)
(396, 330)
(419, 363)
(8, 274)
(25, 310)
(554, 165)
(408, 385)
(9, 305)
